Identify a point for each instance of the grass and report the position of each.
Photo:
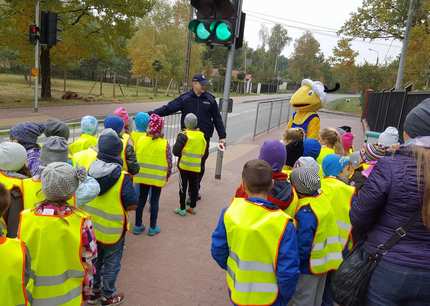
(347, 105)
(15, 92)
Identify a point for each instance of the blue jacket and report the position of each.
(204, 107)
(306, 228)
(287, 271)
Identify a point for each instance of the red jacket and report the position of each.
(281, 194)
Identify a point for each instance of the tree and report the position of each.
(91, 22)
(306, 60)
(343, 62)
(278, 40)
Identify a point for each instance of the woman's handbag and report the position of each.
(350, 282)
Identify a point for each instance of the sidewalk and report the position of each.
(12, 116)
(175, 267)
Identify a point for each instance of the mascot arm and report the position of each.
(313, 128)
(290, 123)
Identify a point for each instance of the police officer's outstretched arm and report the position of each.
(217, 120)
(170, 108)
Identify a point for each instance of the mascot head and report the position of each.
(310, 96)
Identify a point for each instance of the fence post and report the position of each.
(405, 98)
(256, 120)
(381, 98)
(270, 117)
(280, 113)
(386, 111)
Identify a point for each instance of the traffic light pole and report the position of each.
(227, 86)
(37, 61)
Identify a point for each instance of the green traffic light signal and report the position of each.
(202, 32)
(223, 31)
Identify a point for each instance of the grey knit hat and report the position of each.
(190, 121)
(306, 180)
(417, 121)
(54, 150)
(307, 162)
(59, 181)
(56, 127)
(13, 156)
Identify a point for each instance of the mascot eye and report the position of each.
(310, 93)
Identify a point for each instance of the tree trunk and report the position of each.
(65, 78)
(45, 65)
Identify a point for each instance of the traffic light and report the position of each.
(33, 34)
(49, 29)
(215, 23)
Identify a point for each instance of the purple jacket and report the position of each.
(387, 200)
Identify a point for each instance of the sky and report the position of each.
(314, 15)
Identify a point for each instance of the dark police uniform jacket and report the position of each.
(204, 107)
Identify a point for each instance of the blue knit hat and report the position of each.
(141, 121)
(274, 153)
(89, 125)
(27, 132)
(334, 164)
(115, 123)
(311, 148)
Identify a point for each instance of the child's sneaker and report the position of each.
(191, 211)
(116, 299)
(137, 230)
(94, 298)
(181, 212)
(154, 231)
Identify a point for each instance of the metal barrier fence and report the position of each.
(390, 108)
(271, 114)
(172, 126)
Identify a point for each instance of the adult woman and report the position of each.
(397, 189)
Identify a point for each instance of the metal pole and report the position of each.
(270, 117)
(37, 61)
(401, 70)
(188, 54)
(227, 85)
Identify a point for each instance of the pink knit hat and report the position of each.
(156, 125)
(347, 141)
(122, 112)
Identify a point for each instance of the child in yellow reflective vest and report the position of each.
(190, 147)
(16, 265)
(319, 246)
(255, 243)
(87, 139)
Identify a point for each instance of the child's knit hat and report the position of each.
(306, 180)
(55, 149)
(27, 132)
(274, 153)
(141, 121)
(156, 125)
(190, 121)
(115, 123)
(311, 148)
(389, 137)
(371, 152)
(123, 114)
(347, 140)
(60, 181)
(307, 161)
(13, 156)
(334, 164)
(56, 127)
(89, 125)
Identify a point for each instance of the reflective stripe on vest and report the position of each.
(12, 256)
(83, 142)
(326, 254)
(340, 198)
(124, 138)
(253, 235)
(152, 158)
(193, 151)
(107, 214)
(33, 195)
(57, 271)
(84, 158)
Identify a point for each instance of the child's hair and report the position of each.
(257, 176)
(423, 176)
(293, 134)
(331, 139)
(4, 199)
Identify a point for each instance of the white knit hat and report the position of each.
(389, 137)
(59, 181)
(13, 156)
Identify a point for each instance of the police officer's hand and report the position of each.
(221, 145)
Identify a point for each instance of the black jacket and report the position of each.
(181, 141)
(204, 107)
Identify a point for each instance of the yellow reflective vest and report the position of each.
(107, 214)
(253, 235)
(152, 158)
(193, 151)
(55, 246)
(292, 209)
(3, 227)
(341, 199)
(10, 182)
(84, 158)
(33, 195)
(84, 141)
(135, 136)
(124, 138)
(326, 254)
(323, 154)
(12, 254)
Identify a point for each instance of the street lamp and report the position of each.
(377, 55)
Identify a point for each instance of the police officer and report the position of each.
(203, 105)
